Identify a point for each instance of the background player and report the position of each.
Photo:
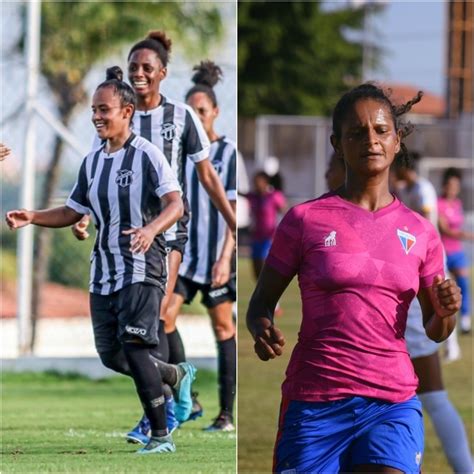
(420, 195)
(265, 204)
(338, 398)
(209, 259)
(134, 197)
(451, 220)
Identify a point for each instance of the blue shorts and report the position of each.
(457, 260)
(260, 249)
(331, 437)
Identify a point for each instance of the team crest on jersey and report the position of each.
(217, 166)
(168, 131)
(124, 178)
(408, 241)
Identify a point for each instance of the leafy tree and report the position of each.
(294, 57)
(74, 37)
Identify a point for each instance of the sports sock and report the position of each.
(226, 366)
(149, 386)
(176, 348)
(449, 428)
(463, 283)
(161, 351)
(171, 374)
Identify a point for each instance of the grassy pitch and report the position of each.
(66, 424)
(259, 387)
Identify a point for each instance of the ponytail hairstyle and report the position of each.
(370, 90)
(158, 42)
(207, 75)
(114, 79)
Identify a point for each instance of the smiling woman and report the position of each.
(113, 106)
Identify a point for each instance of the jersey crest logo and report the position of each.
(168, 131)
(330, 240)
(408, 241)
(124, 178)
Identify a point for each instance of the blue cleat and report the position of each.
(196, 410)
(159, 446)
(141, 433)
(182, 393)
(171, 422)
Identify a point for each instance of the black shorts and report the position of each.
(127, 313)
(177, 236)
(178, 244)
(211, 297)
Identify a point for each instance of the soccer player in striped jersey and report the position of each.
(133, 195)
(209, 260)
(361, 257)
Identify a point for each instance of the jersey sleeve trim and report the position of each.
(166, 188)
(201, 155)
(75, 206)
(232, 195)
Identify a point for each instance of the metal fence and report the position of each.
(303, 148)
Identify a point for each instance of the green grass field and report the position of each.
(259, 387)
(64, 424)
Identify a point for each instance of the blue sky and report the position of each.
(413, 37)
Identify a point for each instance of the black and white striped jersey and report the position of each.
(177, 131)
(207, 227)
(122, 190)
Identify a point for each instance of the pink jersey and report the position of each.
(264, 209)
(358, 272)
(451, 211)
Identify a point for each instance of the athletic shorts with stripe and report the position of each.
(332, 437)
(211, 297)
(129, 312)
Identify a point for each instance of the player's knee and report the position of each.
(223, 330)
(170, 317)
(114, 361)
(170, 325)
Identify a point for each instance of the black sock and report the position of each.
(170, 373)
(161, 351)
(176, 348)
(147, 378)
(226, 363)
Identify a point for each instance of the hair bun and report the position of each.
(114, 72)
(207, 73)
(161, 37)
